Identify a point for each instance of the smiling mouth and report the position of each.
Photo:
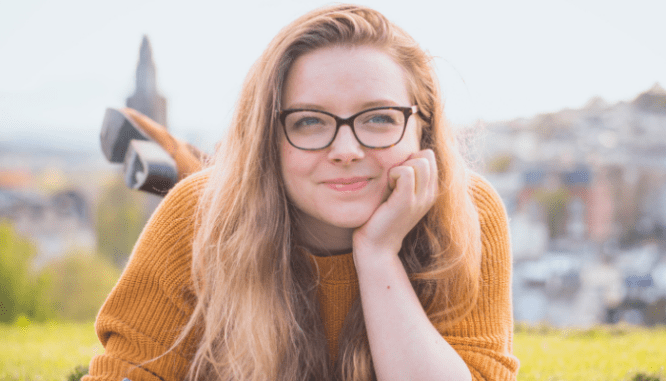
(348, 185)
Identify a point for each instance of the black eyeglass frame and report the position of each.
(406, 111)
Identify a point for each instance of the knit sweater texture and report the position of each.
(153, 300)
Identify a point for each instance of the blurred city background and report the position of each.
(570, 129)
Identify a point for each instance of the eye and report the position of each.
(380, 117)
(308, 121)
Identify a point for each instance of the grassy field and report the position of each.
(52, 351)
(602, 353)
(45, 351)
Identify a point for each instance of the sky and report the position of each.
(63, 63)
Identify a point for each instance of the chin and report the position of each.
(350, 220)
(349, 224)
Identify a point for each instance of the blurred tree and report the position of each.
(121, 215)
(17, 282)
(500, 163)
(555, 203)
(77, 285)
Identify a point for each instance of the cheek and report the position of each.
(297, 166)
(395, 156)
(289, 166)
(413, 136)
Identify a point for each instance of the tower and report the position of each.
(146, 98)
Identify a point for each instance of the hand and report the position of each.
(414, 185)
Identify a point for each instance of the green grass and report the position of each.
(601, 353)
(52, 351)
(45, 352)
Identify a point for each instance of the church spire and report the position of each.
(146, 99)
(145, 69)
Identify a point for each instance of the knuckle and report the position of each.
(420, 164)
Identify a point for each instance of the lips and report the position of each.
(347, 184)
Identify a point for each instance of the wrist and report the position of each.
(375, 258)
(375, 247)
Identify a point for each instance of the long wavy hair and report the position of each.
(256, 309)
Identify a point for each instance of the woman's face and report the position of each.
(338, 188)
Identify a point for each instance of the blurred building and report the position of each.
(146, 98)
(57, 223)
(585, 190)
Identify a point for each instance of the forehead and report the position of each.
(342, 79)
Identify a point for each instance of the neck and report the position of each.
(322, 239)
(328, 253)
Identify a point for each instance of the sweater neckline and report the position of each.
(336, 268)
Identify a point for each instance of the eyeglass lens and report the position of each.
(374, 128)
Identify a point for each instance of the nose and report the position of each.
(345, 149)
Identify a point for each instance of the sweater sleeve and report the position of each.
(153, 299)
(484, 338)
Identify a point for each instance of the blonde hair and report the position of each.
(256, 309)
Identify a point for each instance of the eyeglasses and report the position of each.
(378, 127)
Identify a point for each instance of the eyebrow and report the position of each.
(366, 105)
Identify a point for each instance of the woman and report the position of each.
(336, 235)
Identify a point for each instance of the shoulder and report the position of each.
(493, 221)
(488, 202)
(164, 249)
(484, 338)
(179, 205)
(154, 297)
(187, 191)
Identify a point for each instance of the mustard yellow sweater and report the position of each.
(144, 312)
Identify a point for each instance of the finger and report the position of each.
(391, 181)
(429, 155)
(434, 174)
(422, 175)
(402, 178)
(392, 178)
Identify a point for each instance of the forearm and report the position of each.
(403, 342)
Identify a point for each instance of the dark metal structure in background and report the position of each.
(147, 166)
(138, 137)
